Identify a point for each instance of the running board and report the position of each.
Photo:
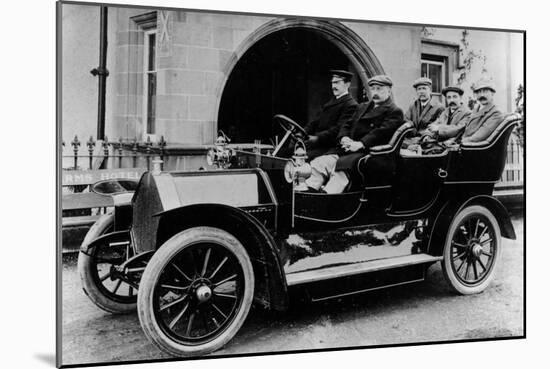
(347, 270)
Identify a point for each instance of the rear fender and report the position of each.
(271, 288)
(443, 220)
(498, 210)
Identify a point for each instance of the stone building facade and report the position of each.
(184, 75)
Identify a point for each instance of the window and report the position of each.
(439, 60)
(146, 48)
(434, 70)
(149, 83)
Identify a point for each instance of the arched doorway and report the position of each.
(283, 69)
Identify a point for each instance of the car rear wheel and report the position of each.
(97, 269)
(472, 250)
(196, 292)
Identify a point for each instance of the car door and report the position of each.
(417, 182)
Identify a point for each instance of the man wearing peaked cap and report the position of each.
(381, 80)
(373, 123)
(484, 83)
(342, 74)
(422, 81)
(484, 120)
(424, 110)
(453, 88)
(324, 128)
(453, 119)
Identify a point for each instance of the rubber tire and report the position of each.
(86, 269)
(450, 276)
(153, 271)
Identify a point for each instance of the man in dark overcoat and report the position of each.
(374, 123)
(323, 130)
(424, 110)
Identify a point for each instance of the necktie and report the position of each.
(450, 117)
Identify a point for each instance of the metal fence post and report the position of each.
(148, 145)
(75, 143)
(105, 146)
(91, 145)
(162, 145)
(120, 152)
(134, 152)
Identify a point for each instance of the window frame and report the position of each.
(146, 73)
(146, 24)
(445, 52)
(444, 75)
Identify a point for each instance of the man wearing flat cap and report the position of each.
(424, 110)
(453, 119)
(323, 130)
(373, 123)
(483, 121)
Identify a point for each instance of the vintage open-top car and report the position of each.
(192, 251)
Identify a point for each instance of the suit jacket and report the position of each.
(429, 114)
(448, 128)
(327, 124)
(372, 126)
(482, 123)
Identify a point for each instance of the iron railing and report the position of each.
(105, 154)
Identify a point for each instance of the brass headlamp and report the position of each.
(297, 170)
(220, 154)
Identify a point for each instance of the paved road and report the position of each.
(423, 312)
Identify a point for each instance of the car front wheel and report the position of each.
(196, 292)
(472, 250)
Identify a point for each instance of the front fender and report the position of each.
(114, 237)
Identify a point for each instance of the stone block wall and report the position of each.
(194, 65)
(192, 62)
(195, 52)
(126, 75)
(399, 50)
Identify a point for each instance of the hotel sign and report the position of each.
(86, 177)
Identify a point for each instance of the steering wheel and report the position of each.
(291, 128)
(288, 125)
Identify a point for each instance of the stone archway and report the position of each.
(341, 39)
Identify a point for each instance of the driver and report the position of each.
(324, 129)
(374, 123)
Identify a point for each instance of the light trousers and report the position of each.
(323, 171)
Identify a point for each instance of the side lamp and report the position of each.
(220, 154)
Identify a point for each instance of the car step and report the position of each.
(315, 275)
